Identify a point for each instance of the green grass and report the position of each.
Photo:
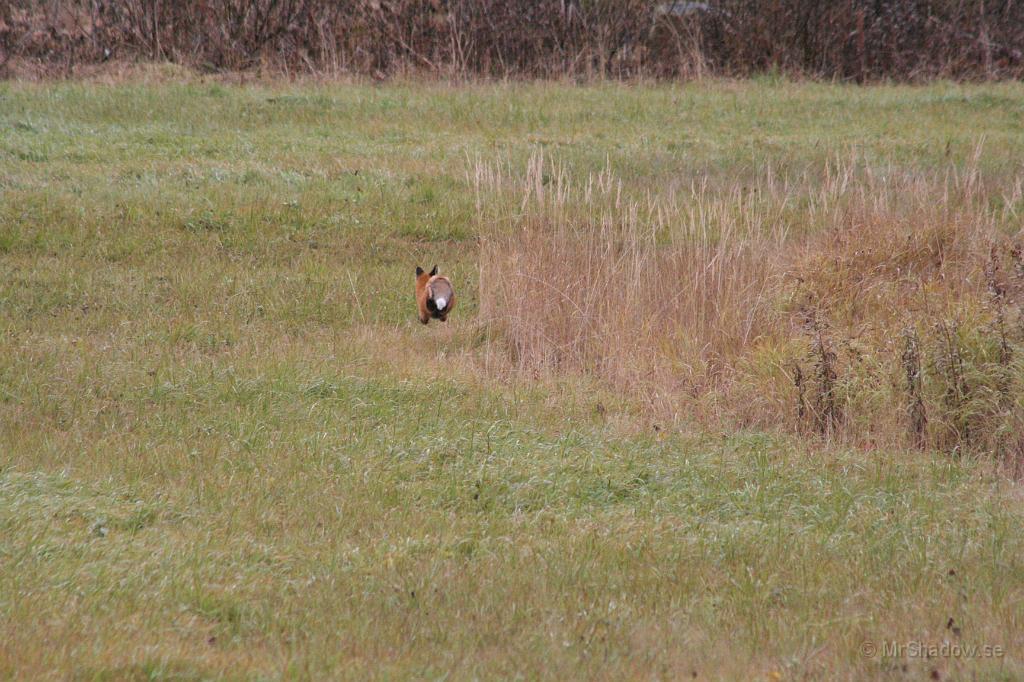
(228, 449)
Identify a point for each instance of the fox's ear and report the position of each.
(434, 271)
(419, 271)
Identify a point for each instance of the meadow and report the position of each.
(671, 431)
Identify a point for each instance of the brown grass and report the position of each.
(730, 307)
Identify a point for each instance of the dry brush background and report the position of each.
(853, 39)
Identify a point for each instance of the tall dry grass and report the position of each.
(876, 306)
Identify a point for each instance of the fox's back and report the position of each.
(435, 295)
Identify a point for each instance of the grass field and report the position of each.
(229, 450)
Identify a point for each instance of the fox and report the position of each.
(434, 295)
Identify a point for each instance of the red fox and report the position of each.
(434, 295)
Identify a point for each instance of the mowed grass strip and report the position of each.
(229, 450)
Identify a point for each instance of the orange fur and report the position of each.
(427, 283)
